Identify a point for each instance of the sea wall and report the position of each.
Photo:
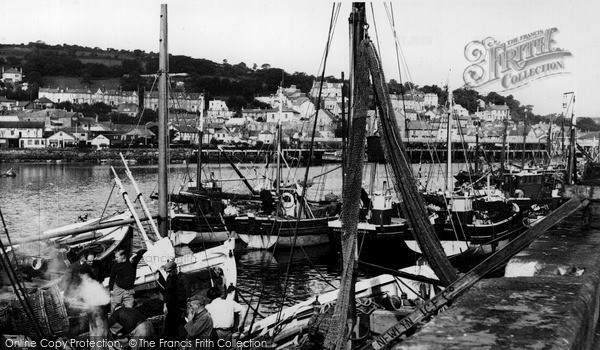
(84, 155)
(551, 300)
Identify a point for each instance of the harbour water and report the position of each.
(49, 195)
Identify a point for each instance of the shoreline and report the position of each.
(90, 156)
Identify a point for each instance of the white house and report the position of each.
(100, 141)
(61, 139)
(12, 75)
(32, 142)
(287, 115)
(266, 136)
(430, 99)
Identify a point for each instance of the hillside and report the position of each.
(50, 66)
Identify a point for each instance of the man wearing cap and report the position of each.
(177, 291)
(199, 326)
(133, 324)
(223, 310)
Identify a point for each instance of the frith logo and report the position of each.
(515, 63)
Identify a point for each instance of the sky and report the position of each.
(432, 36)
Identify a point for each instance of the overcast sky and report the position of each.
(292, 35)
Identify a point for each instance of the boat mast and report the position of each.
(524, 139)
(503, 152)
(449, 182)
(200, 136)
(278, 170)
(163, 92)
(549, 143)
(477, 124)
(572, 161)
(343, 319)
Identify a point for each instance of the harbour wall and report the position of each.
(550, 301)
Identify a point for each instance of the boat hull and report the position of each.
(268, 232)
(193, 229)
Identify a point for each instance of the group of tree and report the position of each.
(41, 60)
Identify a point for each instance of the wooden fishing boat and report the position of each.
(286, 219)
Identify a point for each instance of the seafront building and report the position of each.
(421, 119)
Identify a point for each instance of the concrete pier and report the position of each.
(549, 299)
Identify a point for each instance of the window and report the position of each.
(37, 142)
(29, 142)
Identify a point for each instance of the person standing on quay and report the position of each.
(223, 311)
(122, 279)
(176, 293)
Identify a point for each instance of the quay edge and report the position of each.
(551, 300)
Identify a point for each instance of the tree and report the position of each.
(467, 98)
(587, 124)
(236, 103)
(265, 66)
(254, 66)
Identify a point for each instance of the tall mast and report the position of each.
(278, 169)
(503, 152)
(477, 124)
(549, 142)
(571, 164)
(524, 139)
(200, 136)
(163, 110)
(449, 182)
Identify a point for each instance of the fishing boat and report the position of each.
(286, 219)
(467, 219)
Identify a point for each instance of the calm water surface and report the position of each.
(49, 195)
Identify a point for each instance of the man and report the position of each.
(199, 325)
(122, 279)
(132, 324)
(92, 268)
(223, 311)
(177, 291)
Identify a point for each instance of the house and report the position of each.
(42, 103)
(129, 109)
(407, 101)
(12, 131)
(493, 112)
(61, 139)
(266, 136)
(286, 115)
(329, 90)
(191, 102)
(100, 141)
(421, 131)
(6, 104)
(80, 134)
(186, 133)
(12, 75)
(32, 142)
(430, 100)
(217, 112)
(23, 105)
(257, 115)
(326, 122)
